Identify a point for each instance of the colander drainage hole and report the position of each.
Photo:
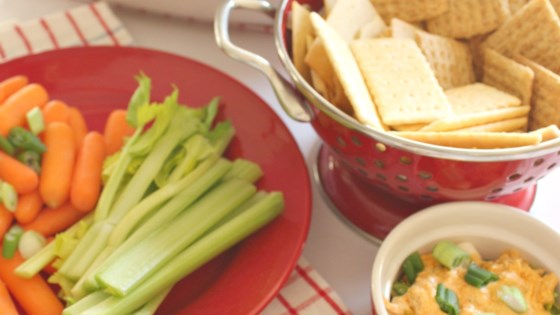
(379, 163)
(402, 178)
(356, 141)
(425, 175)
(432, 188)
(341, 141)
(514, 177)
(406, 160)
(403, 188)
(361, 161)
(381, 176)
(528, 179)
(553, 165)
(497, 190)
(538, 162)
(363, 172)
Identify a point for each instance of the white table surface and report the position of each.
(339, 254)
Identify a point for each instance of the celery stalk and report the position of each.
(244, 169)
(86, 303)
(149, 204)
(40, 260)
(151, 307)
(135, 189)
(117, 242)
(121, 276)
(203, 250)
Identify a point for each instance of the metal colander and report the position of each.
(369, 175)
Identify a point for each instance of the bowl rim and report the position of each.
(415, 147)
(462, 208)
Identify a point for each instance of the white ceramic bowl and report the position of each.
(492, 228)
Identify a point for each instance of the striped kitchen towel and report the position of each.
(305, 292)
(85, 25)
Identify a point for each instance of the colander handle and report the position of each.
(287, 95)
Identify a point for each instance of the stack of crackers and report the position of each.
(463, 73)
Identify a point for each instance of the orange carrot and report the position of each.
(116, 129)
(56, 111)
(19, 175)
(58, 164)
(53, 220)
(6, 303)
(15, 107)
(78, 124)
(28, 207)
(86, 182)
(34, 295)
(6, 219)
(11, 85)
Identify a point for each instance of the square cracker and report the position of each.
(473, 140)
(545, 107)
(450, 59)
(455, 122)
(301, 29)
(400, 80)
(410, 10)
(402, 29)
(507, 125)
(347, 71)
(479, 97)
(534, 32)
(467, 18)
(507, 75)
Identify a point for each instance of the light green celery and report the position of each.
(255, 199)
(165, 214)
(221, 136)
(86, 303)
(151, 307)
(172, 161)
(139, 98)
(93, 244)
(65, 285)
(197, 148)
(135, 189)
(88, 248)
(82, 288)
(244, 169)
(194, 256)
(121, 277)
(151, 203)
(210, 111)
(32, 266)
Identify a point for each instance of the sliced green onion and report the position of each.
(478, 277)
(399, 288)
(24, 139)
(9, 196)
(513, 298)
(6, 146)
(11, 240)
(31, 159)
(30, 243)
(449, 254)
(412, 265)
(447, 300)
(554, 309)
(35, 120)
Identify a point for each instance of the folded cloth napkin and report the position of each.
(305, 292)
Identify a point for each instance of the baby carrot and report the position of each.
(28, 207)
(15, 107)
(6, 303)
(116, 129)
(19, 175)
(78, 124)
(57, 165)
(55, 110)
(53, 220)
(86, 182)
(6, 219)
(34, 295)
(11, 85)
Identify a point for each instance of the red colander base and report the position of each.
(369, 210)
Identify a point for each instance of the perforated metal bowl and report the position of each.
(374, 179)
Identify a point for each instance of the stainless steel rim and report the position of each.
(473, 155)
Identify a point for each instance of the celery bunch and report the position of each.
(170, 203)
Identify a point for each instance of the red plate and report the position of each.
(246, 278)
